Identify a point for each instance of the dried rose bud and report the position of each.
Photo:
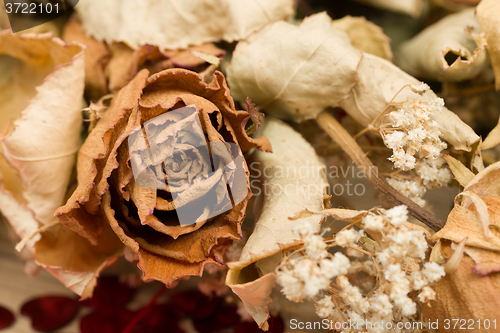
(164, 168)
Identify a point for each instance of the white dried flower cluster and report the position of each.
(306, 276)
(393, 268)
(414, 139)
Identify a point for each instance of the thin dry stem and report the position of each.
(338, 133)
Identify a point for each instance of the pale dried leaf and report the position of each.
(284, 193)
(172, 24)
(41, 89)
(449, 50)
(487, 182)
(319, 69)
(409, 7)
(493, 138)
(379, 82)
(488, 15)
(462, 174)
(73, 260)
(365, 36)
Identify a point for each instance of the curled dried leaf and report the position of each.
(488, 16)
(284, 193)
(173, 24)
(324, 70)
(365, 36)
(452, 49)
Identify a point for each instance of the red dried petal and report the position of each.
(225, 317)
(194, 304)
(48, 313)
(160, 318)
(106, 321)
(6, 318)
(109, 292)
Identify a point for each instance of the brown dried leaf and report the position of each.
(324, 70)
(488, 16)
(252, 277)
(464, 295)
(110, 68)
(450, 50)
(173, 24)
(73, 260)
(473, 290)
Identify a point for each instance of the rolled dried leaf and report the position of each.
(318, 68)
(172, 24)
(452, 49)
(488, 15)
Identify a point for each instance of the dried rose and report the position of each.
(145, 170)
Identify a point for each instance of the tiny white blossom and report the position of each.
(381, 305)
(403, 160)
(373, 222)
(433, 272)
(419, 88)
(418, 280)
(395, 140)
(340, 264)
(315, 247)
(427, 294)
(347, 237)
(352, 296)
(304, 228)
(397, 215)
(325, 307)
(293, 288)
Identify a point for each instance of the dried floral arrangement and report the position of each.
(339, 170)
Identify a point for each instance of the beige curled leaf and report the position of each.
(291, 179)
(379, 82)
(462, 174)
(41, 89)
(493, 138)
(409, 7)
(365, 36)
(172, 24)
(319, 69)
(488, 16)
(450, 50)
